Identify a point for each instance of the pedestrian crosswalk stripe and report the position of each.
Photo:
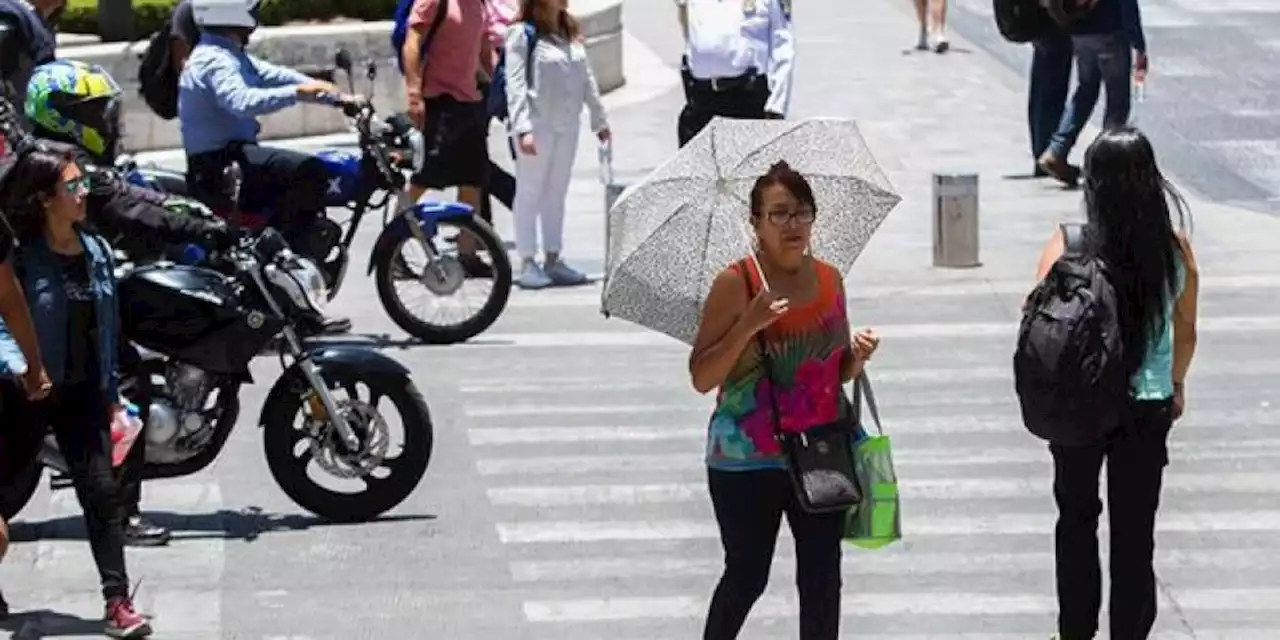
(692, 461)
(875, 604)
(892, 562)
(589, 297)
(919, 524)
(965, 488)
(666, 374)
(635, 336)
(991, 423)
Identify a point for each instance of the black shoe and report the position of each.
(4, 608)
(140, 533)
(332, 326)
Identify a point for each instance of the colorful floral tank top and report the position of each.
(807, 346)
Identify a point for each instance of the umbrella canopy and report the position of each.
(671, 234)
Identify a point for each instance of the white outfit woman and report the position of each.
(550, 109)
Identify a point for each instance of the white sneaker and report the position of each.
(532, 277)
(562, 275)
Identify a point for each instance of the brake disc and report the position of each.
(375, 439)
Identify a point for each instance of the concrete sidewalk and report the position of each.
(920, 113)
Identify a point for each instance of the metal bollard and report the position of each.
(955, 221)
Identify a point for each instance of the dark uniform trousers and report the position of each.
(741, 97)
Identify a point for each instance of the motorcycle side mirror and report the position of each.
(342, 60)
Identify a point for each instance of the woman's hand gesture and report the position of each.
(865, 344)
(763, 310)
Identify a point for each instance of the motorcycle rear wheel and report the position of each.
(282, 436)
(490, 243)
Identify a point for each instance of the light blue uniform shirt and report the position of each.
(223, 90)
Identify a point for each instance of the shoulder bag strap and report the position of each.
(862, 392)
(766, 362)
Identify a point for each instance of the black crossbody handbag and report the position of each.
(819, 459)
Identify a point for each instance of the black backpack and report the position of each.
(157, 79)
(1023, 20)
(1069, 367)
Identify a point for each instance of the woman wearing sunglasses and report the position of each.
(68, 276)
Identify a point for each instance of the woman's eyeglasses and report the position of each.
(801, 217)
(77, 186)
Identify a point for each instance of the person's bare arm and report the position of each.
(721, 335)
(1053, 249)
(13, 308)
(1184, 315)
(412, 54)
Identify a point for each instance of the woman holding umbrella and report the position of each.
(784, 300)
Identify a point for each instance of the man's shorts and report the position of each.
(456, 136)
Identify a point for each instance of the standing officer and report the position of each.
(738, 61)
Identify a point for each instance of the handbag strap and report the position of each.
(766, 362)
(862, 391)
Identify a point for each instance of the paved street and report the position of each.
(1211, 95)
(566, 498)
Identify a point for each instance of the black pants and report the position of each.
(78, 416)
(745, 101)
(749, 507)
(289, 183)
(1047, 94)
(1135, 458)
(502, 185)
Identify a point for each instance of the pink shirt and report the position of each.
(453, 58)
(501, 14)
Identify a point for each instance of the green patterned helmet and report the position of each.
(75, 102)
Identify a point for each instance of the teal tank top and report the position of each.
(1154, 379)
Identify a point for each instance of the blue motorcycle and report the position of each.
(375, 177)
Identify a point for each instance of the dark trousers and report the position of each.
(288, 183)
(78, 416)
(1135, 458)
(1050, 83)
(1102, 62)
(749, 506)
(502, 185)
(702, 103)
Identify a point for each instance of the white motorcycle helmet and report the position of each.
(226, 13)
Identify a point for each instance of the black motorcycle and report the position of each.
(198, 328)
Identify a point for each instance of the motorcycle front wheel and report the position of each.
(383, 477)
(444, 276)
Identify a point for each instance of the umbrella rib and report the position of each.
(774, 138)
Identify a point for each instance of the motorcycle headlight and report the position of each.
(418, 145)
(302, 281)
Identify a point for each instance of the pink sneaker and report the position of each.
(123, 622)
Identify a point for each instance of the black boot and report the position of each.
(139, 532)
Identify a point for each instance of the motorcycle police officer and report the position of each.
(738, 61)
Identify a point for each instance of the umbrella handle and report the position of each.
(755, 259)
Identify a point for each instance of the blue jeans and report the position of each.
(1101, 60)
(1047, 95)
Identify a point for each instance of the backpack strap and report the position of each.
(530, 34)
(1073, 238)
(442, 11)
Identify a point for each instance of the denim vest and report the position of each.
(41, 277)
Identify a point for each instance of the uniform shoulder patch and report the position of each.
(748, 7)
(785, 5)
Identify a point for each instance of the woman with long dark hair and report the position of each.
(1130, 226)
(68, 274)
(799, 316)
